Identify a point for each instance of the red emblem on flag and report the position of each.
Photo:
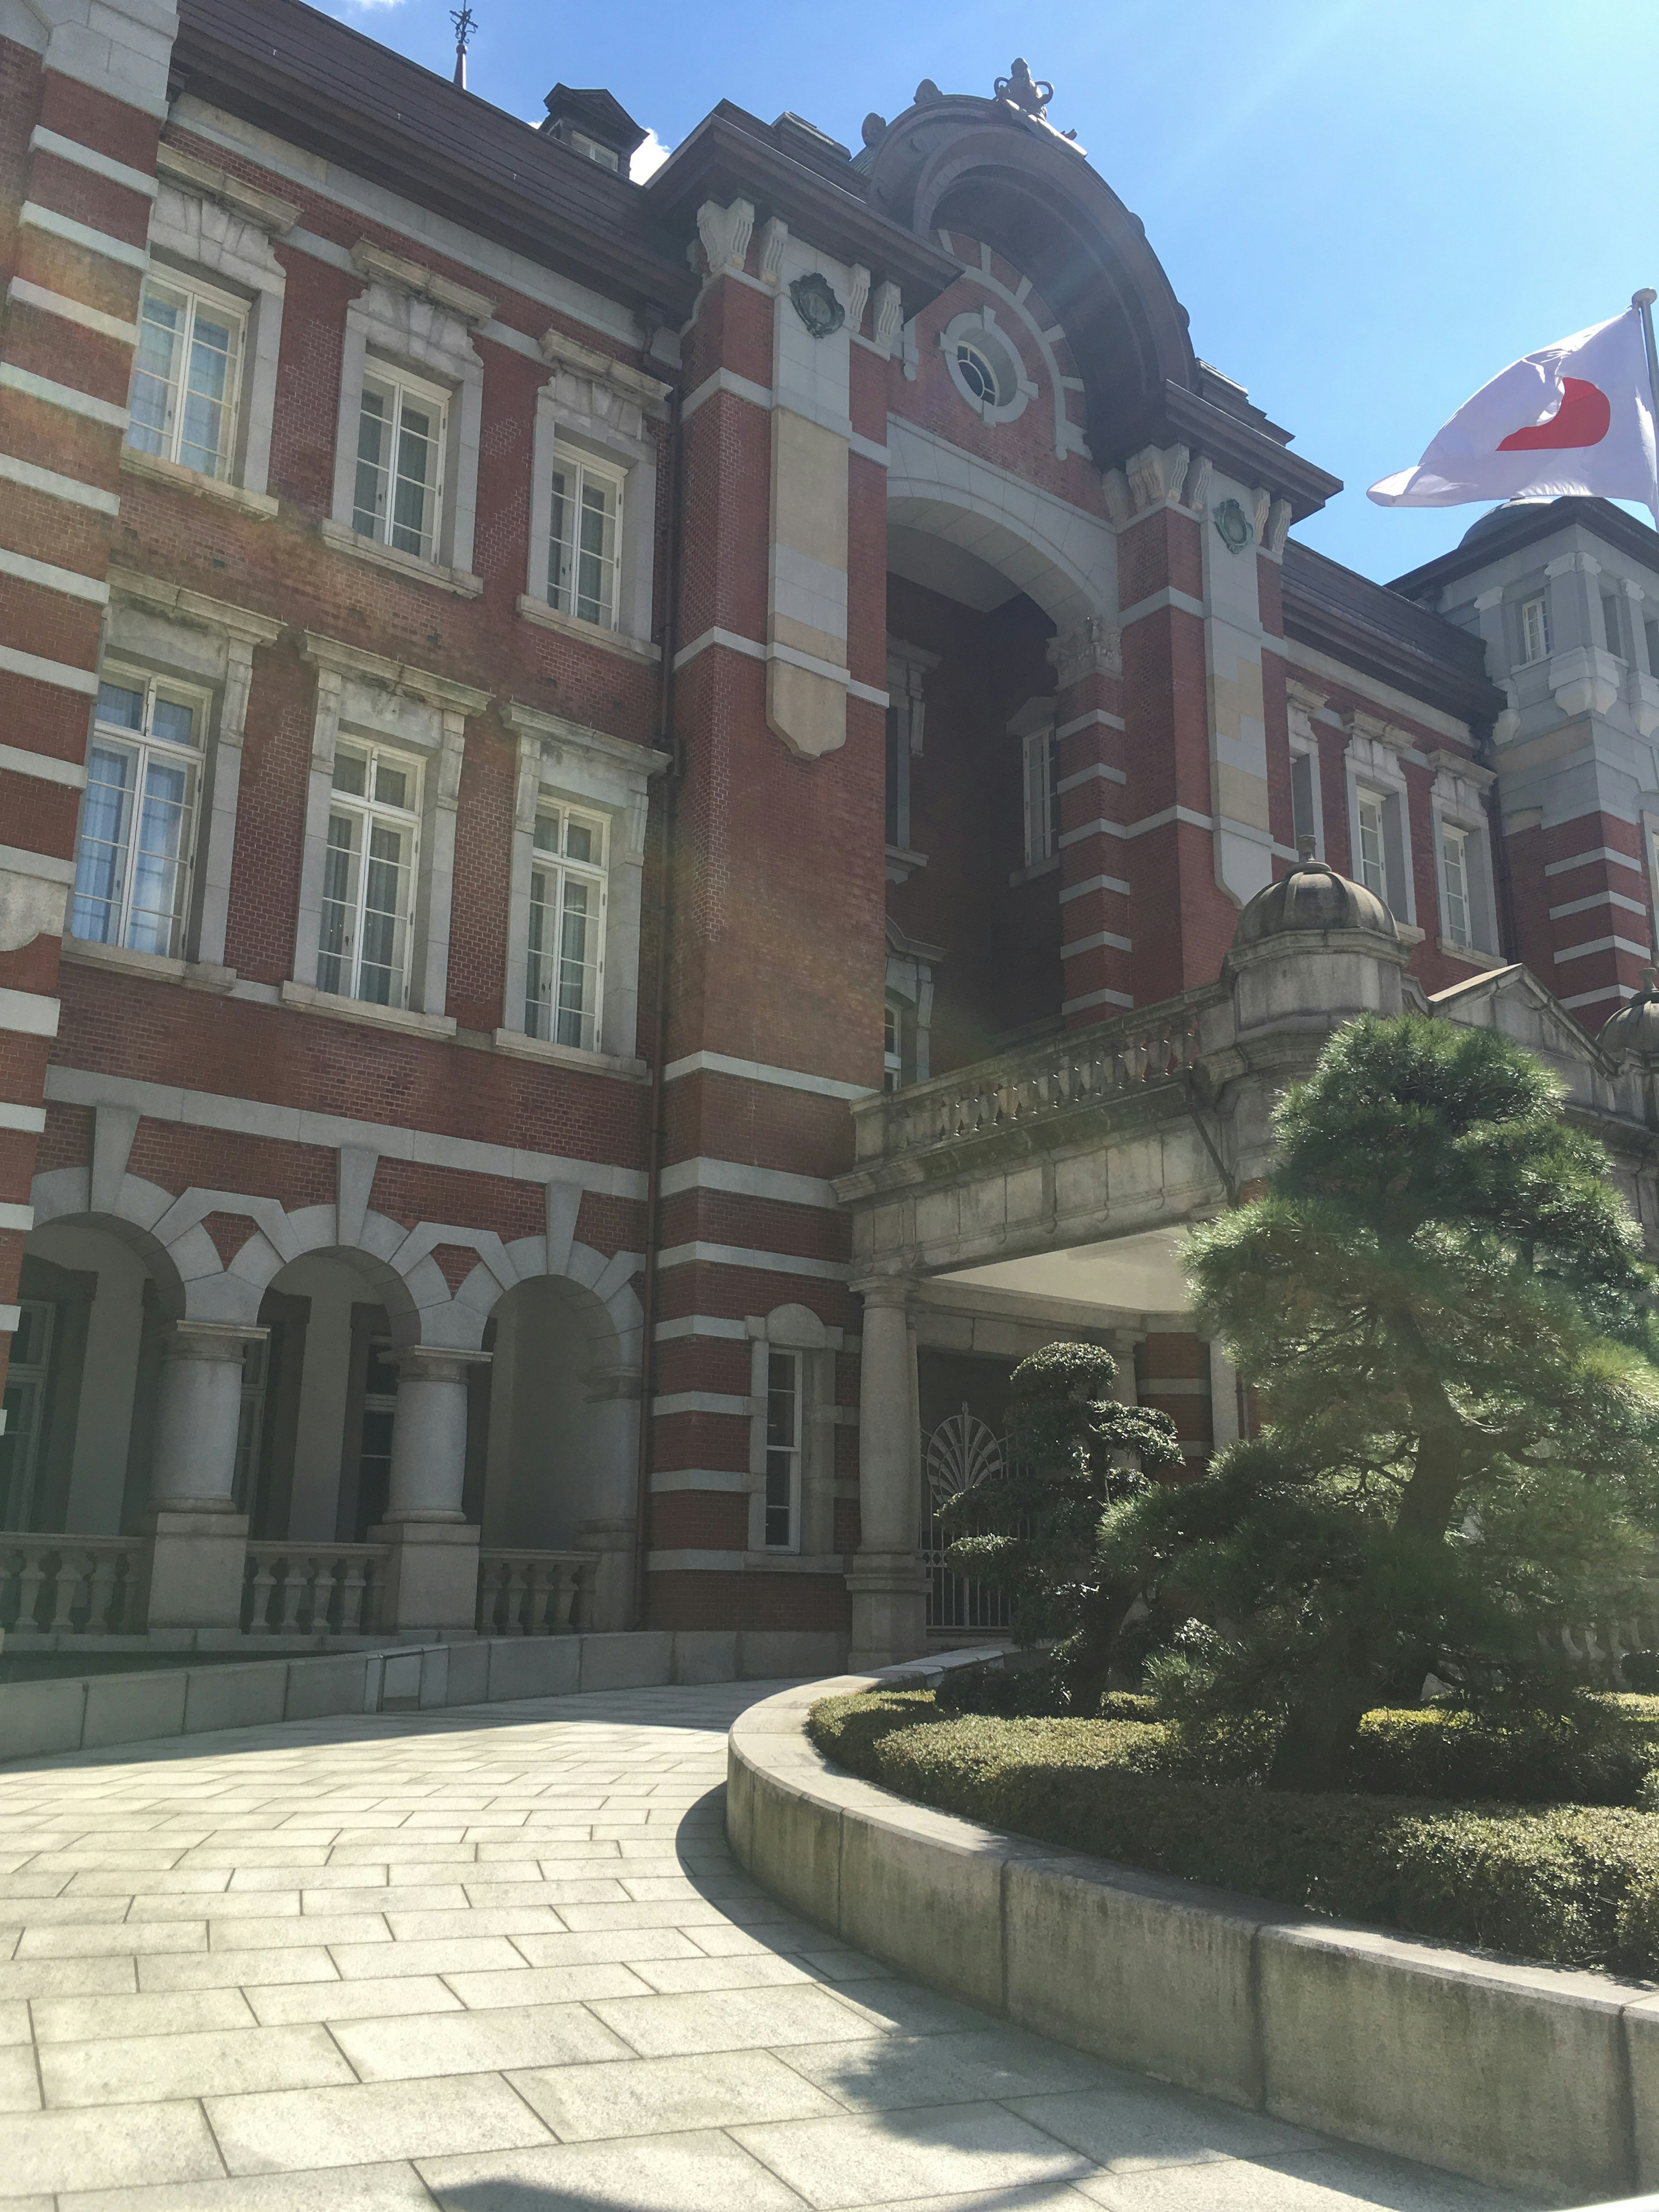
(1582, 419)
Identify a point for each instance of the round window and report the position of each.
(979, 374)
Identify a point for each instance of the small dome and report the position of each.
(1313, 896)
(1496, 516)
(1633, 1033)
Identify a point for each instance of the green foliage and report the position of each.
(1571, 1885)
(1072, 1452)
(1441, 1301)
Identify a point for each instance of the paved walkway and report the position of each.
(498, 1959)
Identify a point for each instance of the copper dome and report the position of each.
(1312, 897)
(1633, 1033)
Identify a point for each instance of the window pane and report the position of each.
(339, 903)
(373, 461)
(158, 875)
(596, 558)
(153, 402)
(578, 964)
(1372, 873)
(1455, 869)
(545, 835)
(417, 454)
(1301, 798)
(391, 784)
(172, 720)
(351, 772)
(211, 390)
(580, 841)
(117, 704)
(559, 548)
(101, 856)
(380, 975)
(782, 1436)
(539, 966)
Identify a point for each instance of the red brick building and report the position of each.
(524, 697)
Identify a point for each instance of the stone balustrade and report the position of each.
(313, 1589)
(71, 1585)
(524, 1593)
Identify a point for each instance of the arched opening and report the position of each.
(320, 1400)
(562, 1424)
(80, 1401)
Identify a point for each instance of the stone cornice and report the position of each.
(341, 660)
(134, 589)
(383, 268)
(266, 210)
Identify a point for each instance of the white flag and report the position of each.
(1574, 418)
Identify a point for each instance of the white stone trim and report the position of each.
(669, 1331)
(1095, 998)
(1599, 898)
(71, 582)
(584, 407)
(1094, 884)
(743, 1256)
(43, 140)
(51, 485)
(755, 1071)
(73, 311)
(978, 326)
(57, 673)
(738, 1178)
(83, 235)
(1597, 853)
(667, 1403)
(1156, 603)
(32, 1119)
(14, 1216)
(295, 1125)
(28, 1013)
(1374, 763)
(1101, 939)
(74, 402)
(1603, 945)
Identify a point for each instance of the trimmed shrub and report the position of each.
(1572, 1885)
(1600, 1753)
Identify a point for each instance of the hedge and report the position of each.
(1569, 1885)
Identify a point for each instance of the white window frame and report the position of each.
(979, 328)
(1458, 893)
(233, 313)
(581, 469)
(1374, 768)
(1304, 752)
(368, 701)
(785, 1376)
(398, 329)
(564, 765)
(370, 812)
(403, 389)
(1040, 765)
(1533, 621)
(1372, 870)
(34, 1378)
(593, 413)
(544, 1016)
(796, 1332)
(145, 747)
(207, 226)
(1456, 810)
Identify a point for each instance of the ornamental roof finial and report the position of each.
(1021, 90)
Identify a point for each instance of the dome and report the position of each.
(1313, 896)
(1633, 1033)
(1498, 516)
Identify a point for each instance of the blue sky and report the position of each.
(1368, 207)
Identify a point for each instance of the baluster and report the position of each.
(74, 1570)
(567, 1580)
(296, 1588)
(11, 1563)
(346, 1606)
(536, 1593)
(33, 1574)
(491, 1581)
(100, 1594)
(369, 1604)
(262, 1583)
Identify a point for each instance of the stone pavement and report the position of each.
(498, 1959)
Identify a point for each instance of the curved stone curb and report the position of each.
(92, 1712)
(1528, 2077)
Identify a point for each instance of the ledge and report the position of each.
(1525, 2077)
(518, 1046)
(458, 580)
(587, 633)
(1468, 955)
(306, 1001)
(136, 464)
(154, 967)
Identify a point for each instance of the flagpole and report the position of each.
(1642, 302)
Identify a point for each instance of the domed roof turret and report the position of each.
(1633, 1033)
(1313, 896)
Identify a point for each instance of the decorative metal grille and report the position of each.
(962, 1452)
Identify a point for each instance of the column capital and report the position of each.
(211, 1340)
(886, 1290)
(1094, 648)
(437, 1363)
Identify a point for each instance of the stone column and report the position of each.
(432, 1581)
(199, 1540)
(887, 1585)
(1224, 1427)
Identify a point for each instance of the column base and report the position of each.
(889, 1590)
(432, 1576)
(197, 1564)
(610, 1599)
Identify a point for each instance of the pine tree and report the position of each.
(1441, 1301)
(1072, 1452)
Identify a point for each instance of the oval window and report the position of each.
(978, 373)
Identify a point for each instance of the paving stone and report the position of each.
(371, 2122)
(703, 2173)
(213, 2061)
(645, 2096)
(864, 2159)
(83, 2019)
(563, 2035)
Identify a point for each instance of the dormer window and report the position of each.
(594, 124)
(1534, 631)
(591, 150)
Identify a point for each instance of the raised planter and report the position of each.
(1528, 2077)
(67, 1714)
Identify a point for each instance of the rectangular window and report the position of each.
(1042, 797)
(1650, 629)
(782, 1448)
(1373, 844)
(1304, 822)
(133, 854)
(1612, 628)
(250, 1422)
(369, 876)
(1455, 884)
(564, 973)
(400, 450)
(586, 534)
(1534, 631)
(892, 1047)
(374, 1449)
(185, 376)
